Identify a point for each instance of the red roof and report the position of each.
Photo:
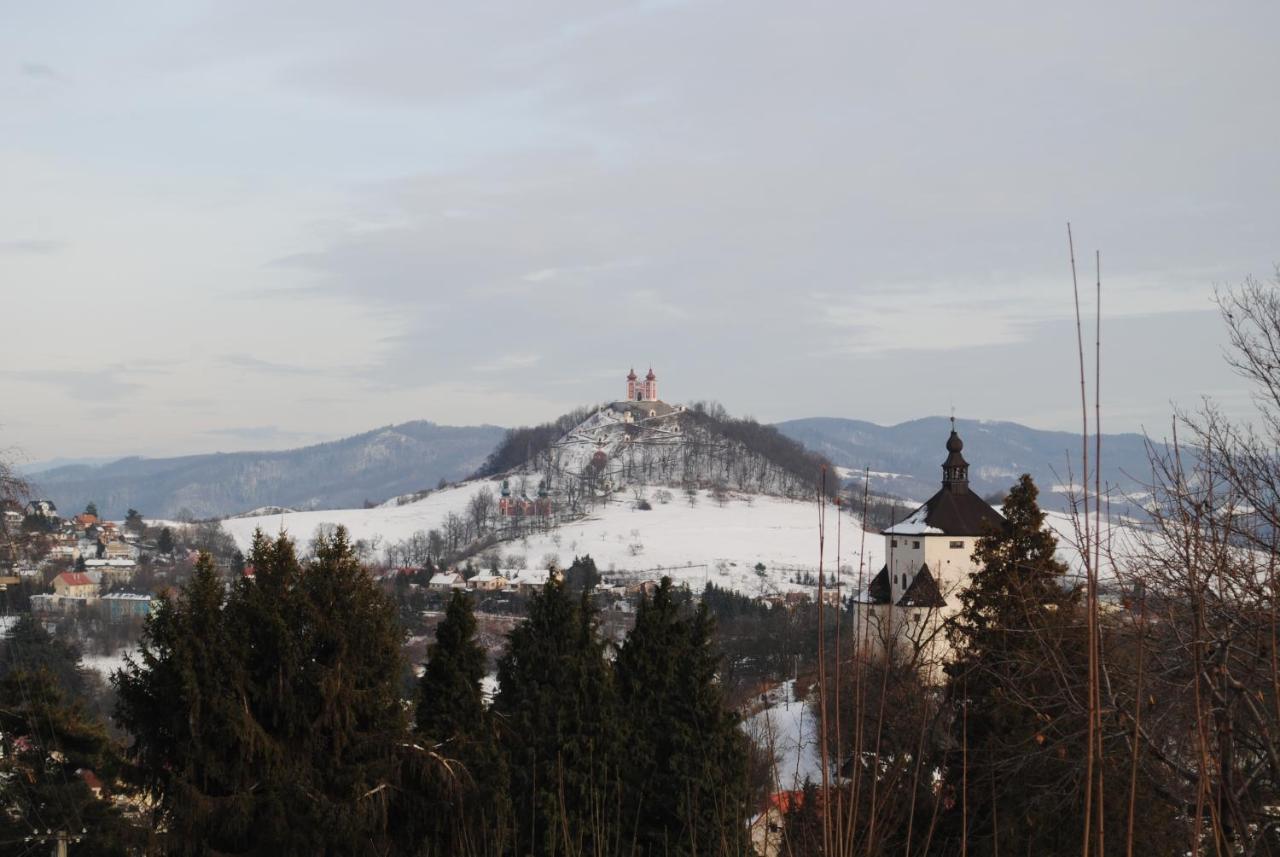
(74, 578)
(631, 376)
(651, 376)
(784, 802)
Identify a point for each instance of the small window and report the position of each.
(957, 544)
(915, 617)
(893, 543)
(916, 544)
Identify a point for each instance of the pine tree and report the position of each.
(91, 509)
(470, 810)
(182, 701)
(28, 646)
(1015, 774)
(450, 697)
(50, 750)
(559, 730)
(268, 719)
(686, 785)
(164, 543)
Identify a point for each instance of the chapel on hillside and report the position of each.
(928, 561)
(646, 391)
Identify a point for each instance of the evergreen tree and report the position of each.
(134, 523)
(28, 646)
(471, 810)
(581, 576)
(51, 750)
(268, 719)
(450, 697)
(559, 731)
(164, 543)
(686, 785)
(1014, 775)
(91, 509)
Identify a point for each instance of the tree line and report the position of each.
(266, 716)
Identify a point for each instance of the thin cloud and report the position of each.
(40, 71)
(31, 247)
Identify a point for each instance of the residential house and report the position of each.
(74, 584)
(487, 581)
(446, 582)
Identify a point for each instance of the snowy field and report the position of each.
(699, 543)
(694, 543)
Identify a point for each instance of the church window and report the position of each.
(957, 544)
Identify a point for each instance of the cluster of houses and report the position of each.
(105, 558)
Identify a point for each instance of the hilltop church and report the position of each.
(928, 561)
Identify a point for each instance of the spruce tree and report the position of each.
(268, 719)
(558, 728)
(450, 697)
(51, 748)
(686, 784)
(1014, 774)
(470, 810)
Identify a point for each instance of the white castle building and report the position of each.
(928, 562)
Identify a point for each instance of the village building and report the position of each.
(929, 561)
(75, 584)
(523, 506)
(487, 581)
(42, 509)
(126, 605)
(446, 582)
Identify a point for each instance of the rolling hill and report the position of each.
(371, 466)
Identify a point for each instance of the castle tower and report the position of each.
(631, 385)
(955, 470)
(651, 386)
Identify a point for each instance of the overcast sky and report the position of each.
(234, 225)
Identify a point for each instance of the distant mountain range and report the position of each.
(401, 459)
(343, 473)
(906, 459)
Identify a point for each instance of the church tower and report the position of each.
(651, 386)
(631, 385)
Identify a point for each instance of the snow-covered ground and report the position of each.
(389, 522)
(699, 543)
(788, 730)
(105, 664)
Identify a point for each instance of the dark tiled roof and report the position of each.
(956, 511)
(923, 591)
(878, 589)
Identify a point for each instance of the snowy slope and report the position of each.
(699, 543)
(696, 543)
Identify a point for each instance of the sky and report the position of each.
(236, 225)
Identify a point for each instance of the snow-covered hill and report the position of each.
(720, 542)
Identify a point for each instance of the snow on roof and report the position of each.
(914, 525)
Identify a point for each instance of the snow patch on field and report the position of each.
(788, 730)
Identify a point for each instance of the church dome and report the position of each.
(651, 376)
(954, 443)
(631, 376)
